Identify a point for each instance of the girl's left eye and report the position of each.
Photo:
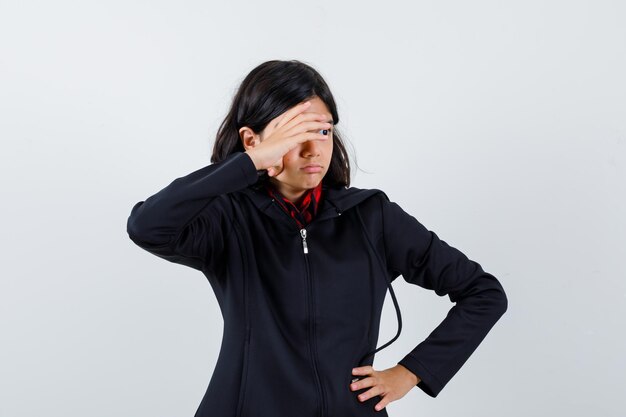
(325, 131)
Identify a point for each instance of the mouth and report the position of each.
(312, 168)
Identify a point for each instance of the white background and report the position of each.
(499, 125)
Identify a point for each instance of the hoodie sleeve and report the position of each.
(424, 259)
(180, 224)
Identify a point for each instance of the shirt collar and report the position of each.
(311, 196)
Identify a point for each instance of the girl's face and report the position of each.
(294, 180)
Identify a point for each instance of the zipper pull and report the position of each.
(303, 234)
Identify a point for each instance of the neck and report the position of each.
(294, 195)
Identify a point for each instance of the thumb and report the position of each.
(276, 168)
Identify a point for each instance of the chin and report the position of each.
(313, 178)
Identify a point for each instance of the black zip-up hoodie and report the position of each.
(302, 307)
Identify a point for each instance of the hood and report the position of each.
(345, 198)
(335, 199)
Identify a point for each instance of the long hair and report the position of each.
(269, 90)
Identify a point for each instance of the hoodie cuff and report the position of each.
(428, 382)
(245, 163)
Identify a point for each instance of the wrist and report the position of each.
(410, 375)
(253, 158)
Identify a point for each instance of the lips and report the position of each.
(312, 168)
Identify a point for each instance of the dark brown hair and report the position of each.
(269, 90)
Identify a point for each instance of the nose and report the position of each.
(311, 148)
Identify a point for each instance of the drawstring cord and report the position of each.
(393, 295)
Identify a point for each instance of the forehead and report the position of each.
(318, 106)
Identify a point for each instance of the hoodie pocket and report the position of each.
(244, 375)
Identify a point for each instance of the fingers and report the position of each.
(363, 370)
(389, 384)
(377, 388)
(362, 383)
(382, 404)
(306, 136)
(374, 391)
(294, 122)
(293, 127)
(373, 381)
(304, 117)
(365, 382)
(291, 113)
(307, 126)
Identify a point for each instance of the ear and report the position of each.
(249, 139)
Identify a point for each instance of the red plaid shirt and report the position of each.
(304, 212)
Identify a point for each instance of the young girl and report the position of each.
(300, 262)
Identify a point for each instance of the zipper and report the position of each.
(312, 327)
(312, 346)
(303, 234)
